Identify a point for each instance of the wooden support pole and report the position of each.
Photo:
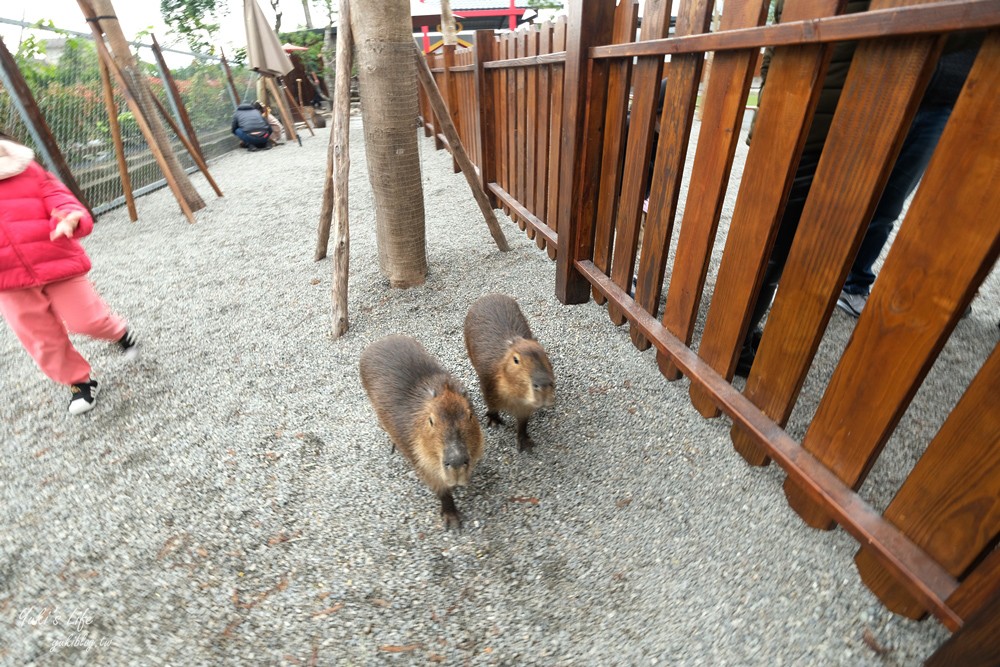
(116, 134)
(458, 151)
(170, 87)
(485, 51)
(341, 153)
(104, 55)
(100, 15)
(188, 146)
(233, 93)
(286, 117)
(292, 104)
(20, 95)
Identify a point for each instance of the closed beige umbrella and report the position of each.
(263, 48)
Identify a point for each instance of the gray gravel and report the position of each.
(231, 500)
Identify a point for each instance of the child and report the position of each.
(44, 290)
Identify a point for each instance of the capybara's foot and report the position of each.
(493, 419)
(449, 512)
(524, 441)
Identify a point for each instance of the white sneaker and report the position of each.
(129, 345)
(84, 397)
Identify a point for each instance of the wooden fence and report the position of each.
(560, 120)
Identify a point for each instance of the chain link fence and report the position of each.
(61, 69)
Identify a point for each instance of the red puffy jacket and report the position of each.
(27, 257)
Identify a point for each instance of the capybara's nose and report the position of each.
(456, 457)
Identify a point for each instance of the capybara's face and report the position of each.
(527, 373)
(449, 438)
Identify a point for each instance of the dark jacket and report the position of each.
(250, 121)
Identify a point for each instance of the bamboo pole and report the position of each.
(457, 149)
(116, 134)
(286, 117)
(188, 146)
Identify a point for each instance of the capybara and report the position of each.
(514, 372)
(426, 413)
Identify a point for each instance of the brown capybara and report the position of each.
(426, 413)
(514, 372)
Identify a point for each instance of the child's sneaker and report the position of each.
(129, 345)
(84, 397)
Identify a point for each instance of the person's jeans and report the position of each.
(928, 124)
(250, 139)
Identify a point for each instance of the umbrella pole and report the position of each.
(286, 117)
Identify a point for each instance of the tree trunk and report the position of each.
(448, 34)
(384, 52)
(305, 8)
(120, 51)
(329, 60)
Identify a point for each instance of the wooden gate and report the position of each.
(564, 122)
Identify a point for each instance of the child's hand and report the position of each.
(66, 225)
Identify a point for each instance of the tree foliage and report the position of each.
(196, 21)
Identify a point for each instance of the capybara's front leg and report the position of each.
(449, 513)
(524, 440)
(493, 419)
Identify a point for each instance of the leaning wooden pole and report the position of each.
(295, 106)
(457, 149)
(342, 167)
(116, 135)
(170, 88)
(286, 117)
(230, 84)
(100, 14)
(24, 101)
(140, 117)
(188, 146)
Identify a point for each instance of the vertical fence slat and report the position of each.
(556, 82)
(645, 89)
(485, 51)
(885, 81)
(948, 504)
(626, 19)
(449, 91)
(542, 127)
(511, 122)
(680, 97)
(931, 273)
(530, 127)
(521, 109)
(797, 72)
(501, 101)
(979, 586)
(589, 24)
(975, 645)
(722, 117)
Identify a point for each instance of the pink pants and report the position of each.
(43, 317)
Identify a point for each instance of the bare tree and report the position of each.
(305, 8)
(387, 71)
(277, 14)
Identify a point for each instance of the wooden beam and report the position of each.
(286, 117)
(116, 134)
(458, 151)
(188, 146)
(170, 87)
(229, 79)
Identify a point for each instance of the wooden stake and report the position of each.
(342, 158)
(188, 146)
(458, 151)
(116, 134)
(286, 117)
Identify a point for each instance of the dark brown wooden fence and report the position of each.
(544, 113)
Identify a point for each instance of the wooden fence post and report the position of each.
(449, 91)
(589, 24)
(485, 51)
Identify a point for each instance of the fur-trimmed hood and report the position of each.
(14, 158)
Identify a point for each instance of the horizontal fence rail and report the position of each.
(582, 132)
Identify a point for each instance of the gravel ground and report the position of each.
(232, 500)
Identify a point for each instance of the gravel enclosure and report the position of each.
(232, 500)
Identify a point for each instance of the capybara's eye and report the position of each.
(517, 360)
(430, 420)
